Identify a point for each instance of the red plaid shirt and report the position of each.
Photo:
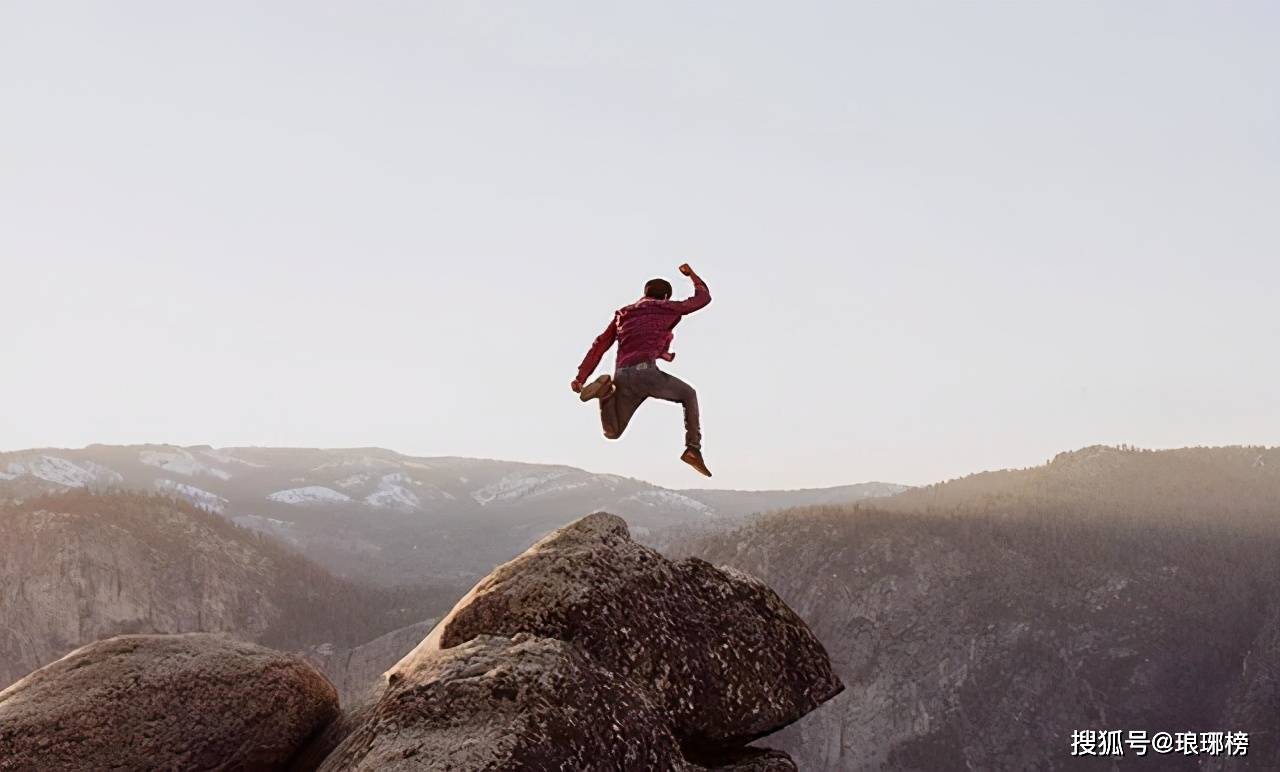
(643, 330)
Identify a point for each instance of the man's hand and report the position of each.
(576, 385)
(685, 269)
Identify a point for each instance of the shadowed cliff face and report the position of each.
(1064, 600)
(1253, 704)
(79, 567)
(590, 647)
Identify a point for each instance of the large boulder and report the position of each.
(591, 643)
(495, 703)
(723, 656)
(190, 702)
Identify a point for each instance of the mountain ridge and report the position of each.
(379, 515)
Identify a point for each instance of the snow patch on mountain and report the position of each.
(60, 471)
(225, 457)
(181, 462)
(665, 498)
(517, 485)
(393, 498)
(558, 488)
(309, 494)
(400, 491)
(393, 492)
(201, 498)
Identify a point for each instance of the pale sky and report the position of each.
(940, 237)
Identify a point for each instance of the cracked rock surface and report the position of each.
(591, 647)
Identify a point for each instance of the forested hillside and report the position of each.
(977, 623)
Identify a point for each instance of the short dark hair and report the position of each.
(659, 289)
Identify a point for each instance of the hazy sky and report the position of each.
(940, 237)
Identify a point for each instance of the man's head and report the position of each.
(658, 289)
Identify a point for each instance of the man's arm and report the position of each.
(598, 347)
(701, 295)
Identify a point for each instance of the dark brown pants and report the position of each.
(636, 384)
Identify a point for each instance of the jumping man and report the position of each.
(643, 331)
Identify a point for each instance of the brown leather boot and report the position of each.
(602, 387)
(693, 457)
